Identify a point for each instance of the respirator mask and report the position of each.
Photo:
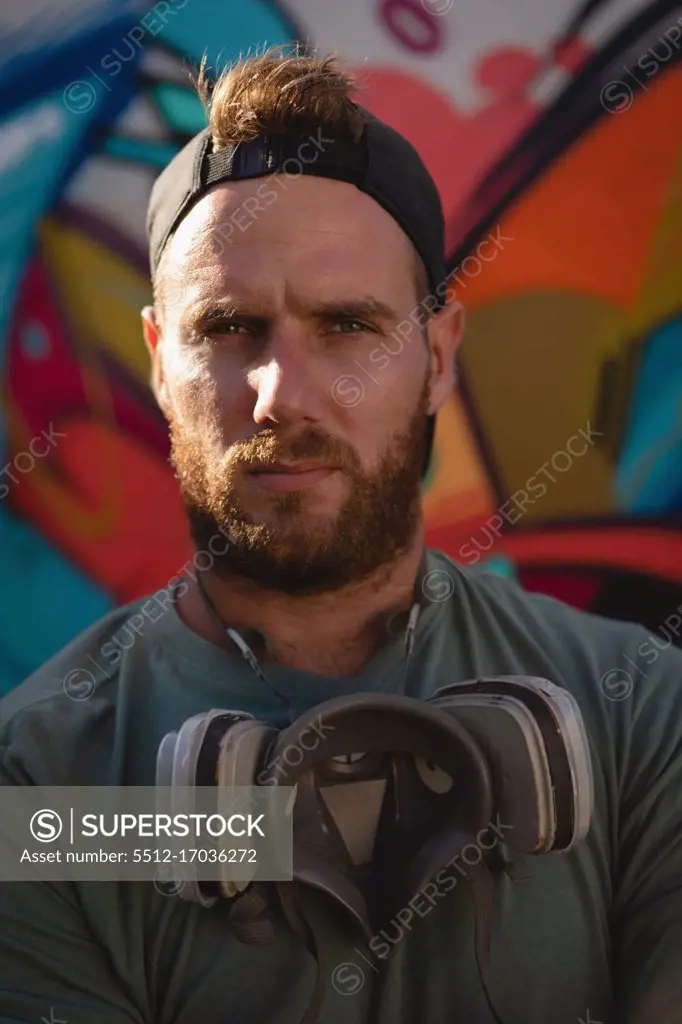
(392, 789)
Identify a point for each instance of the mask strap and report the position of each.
(249, 917)
(241, 645)
(311, 932)
(483, 885)
(419, 603)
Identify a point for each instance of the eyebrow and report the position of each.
(366, 308)
(209, 309)
(363, 308)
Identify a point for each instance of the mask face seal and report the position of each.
(375, 755)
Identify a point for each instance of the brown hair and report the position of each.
(279, 94)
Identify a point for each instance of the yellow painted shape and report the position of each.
(100, 294)
(534, 365)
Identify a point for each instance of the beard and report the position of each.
(299, 553)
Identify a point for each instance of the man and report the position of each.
(286, 272)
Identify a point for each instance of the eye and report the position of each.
(351, 327)
(223, 327)
(432, 776)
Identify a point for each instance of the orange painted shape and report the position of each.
(588, 225)
(460, 487)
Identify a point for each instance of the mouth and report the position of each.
(290, 476)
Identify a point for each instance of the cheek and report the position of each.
(193, 390)
(398, 366)
(391, 398)
(372, 424)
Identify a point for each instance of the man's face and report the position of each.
(297, 420)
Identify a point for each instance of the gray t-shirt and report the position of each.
(592, 935)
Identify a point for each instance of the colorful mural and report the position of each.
(557, 146)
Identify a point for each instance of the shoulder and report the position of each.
(70, 698)
(506, 612)
(626, 678)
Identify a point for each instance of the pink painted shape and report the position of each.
(458, 149)
(572, 54)
(507, 70)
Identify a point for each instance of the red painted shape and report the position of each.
(50, 384)
(627, 547)
(104, 494)
(578, 589)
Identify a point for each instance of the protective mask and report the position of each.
(388, 789)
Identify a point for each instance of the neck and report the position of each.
(332, 633)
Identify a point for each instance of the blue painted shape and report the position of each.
(44, 601)
(36, 142)
(66, 78)
(50, 101)
(648, 478)
(34, 61)
(34, 341)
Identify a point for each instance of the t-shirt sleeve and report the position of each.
(51, 966)
(647, 923)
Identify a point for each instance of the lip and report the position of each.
(294, 476)
(290, 467)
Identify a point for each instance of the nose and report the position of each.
(286, 392)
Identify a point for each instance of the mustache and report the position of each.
(267, 448)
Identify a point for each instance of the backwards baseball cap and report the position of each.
(381, 163)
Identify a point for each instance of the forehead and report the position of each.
(306, 233)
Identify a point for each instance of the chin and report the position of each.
(303, 522)
(321, 502)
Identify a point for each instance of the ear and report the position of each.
(444, 334)
(154, 342)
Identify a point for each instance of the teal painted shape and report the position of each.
(157, 154)
(181, 108)
(44, 601)
(648, 477)
(237, 27)
(500, 566)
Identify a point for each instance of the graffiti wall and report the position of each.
(555, 138)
